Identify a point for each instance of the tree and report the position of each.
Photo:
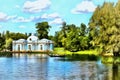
(57, 39)
(64, 28)
(7, 34)
(104, 28)
(72, 38)
(6, 39)
(8, 44)
(42, 29)
(68, 37)
(2, 42)
(72, 41)
(83, 29)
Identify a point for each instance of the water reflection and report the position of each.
(116, 71)
(32, 67)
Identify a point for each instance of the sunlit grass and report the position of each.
(60, 50)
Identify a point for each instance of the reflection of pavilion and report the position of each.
(33, 44)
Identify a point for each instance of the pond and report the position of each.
(32, 67)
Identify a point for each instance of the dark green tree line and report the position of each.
(7, 37)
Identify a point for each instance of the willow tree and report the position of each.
(104, 28)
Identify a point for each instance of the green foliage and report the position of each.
(2, 42)
(61, 51)
(57, 39)
(6, 39)
(72, 38)
(42, 29)
(104, 28)
(8, 44)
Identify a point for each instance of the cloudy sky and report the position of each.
(22, 15)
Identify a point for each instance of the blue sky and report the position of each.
(22, 15)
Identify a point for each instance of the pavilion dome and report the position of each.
(21, 40)
(44, 40)
(32, 38)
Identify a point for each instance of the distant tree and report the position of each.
(72, 38)
(0, 35)
(57, 39)
(6, 39)
(26, 34)
(83, 29)
(8, 44)
(29, 34)
(77, 38)
(64, 28)
(51, 37)
(7, 34)
(2, 42)
(42, 29)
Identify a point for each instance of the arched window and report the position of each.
(41, 47)
(30, 39)
(29, 47)
(18, 47)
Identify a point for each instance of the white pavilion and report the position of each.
(32, 44)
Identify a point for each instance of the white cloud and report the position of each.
(85, 6)
(22, 26)
(0, 26)
(11, 17)
(57, 21)
(30, 19)
(51, 16)
(3, 16)
(17, 6)
(35, 18)
(38, 18)
(36, 6)
(21, 19)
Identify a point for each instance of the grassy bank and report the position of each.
(91, 55)
(5, 54)
(112, 60)
(61, 51)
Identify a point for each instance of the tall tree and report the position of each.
(104, 28)
(57, 39)
(42, 29)
(7, 34)
(8, 44)
(83, 29)
(64, 28)
(64, 33)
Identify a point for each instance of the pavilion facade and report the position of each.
(32, 44)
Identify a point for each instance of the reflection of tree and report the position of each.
(115, 72)
(42, 69)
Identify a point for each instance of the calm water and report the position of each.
(31, 67)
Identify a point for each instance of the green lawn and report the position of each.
(60, 50)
